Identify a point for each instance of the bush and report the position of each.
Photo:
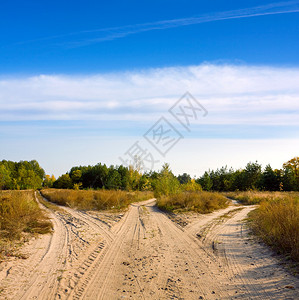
(20, 214)
(201, 202)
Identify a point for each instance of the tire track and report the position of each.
(253, 272)
(147, 256)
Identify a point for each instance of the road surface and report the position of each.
(146, 254)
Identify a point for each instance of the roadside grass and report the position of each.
(48, 204)
(20, 217)
(94, 199)
(256, 197)
(276, 221)
(200, 202)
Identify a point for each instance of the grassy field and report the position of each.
(201, 202)
(256, 197)
(20, 217)
(276, 221)
(94, 200)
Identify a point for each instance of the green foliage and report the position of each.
(76, 176)
(270, 179)
(166, 183)
(253, 178)
(252, 174)
(205, 181)
(21, 175)
(289, 179)
(63, 182)
(184, 178)
(191, 186)
(102, 177)
(114, 179)
(145, 183)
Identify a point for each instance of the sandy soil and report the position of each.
(146, 254)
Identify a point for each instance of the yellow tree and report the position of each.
(49, 180)
(294, 165)
(135, 173)
(291, 174)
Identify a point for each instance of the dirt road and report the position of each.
(143, 254)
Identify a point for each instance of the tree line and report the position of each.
(21, 175)
(253, 177)
(29, 175)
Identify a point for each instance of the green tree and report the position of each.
(269, 180)
(64, 182)
(166, 184)
(76, 176)
(114, 179)
(289, 179)
(125, 177)
(184, 178)
(144, 183)
(252, 174)
(205, 181)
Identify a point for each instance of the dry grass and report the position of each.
(201, 202)
(276, 221)
(94, 200)
(20, 216)
(255, 197)
(48, 204)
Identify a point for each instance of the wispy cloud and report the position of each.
(120, 32)
(232, 94)
(88, 37)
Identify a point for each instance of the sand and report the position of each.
(147, 254)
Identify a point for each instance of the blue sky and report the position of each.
(81, 81)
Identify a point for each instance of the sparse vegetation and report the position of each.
(201, 202)
(20, 216)
(94, 200)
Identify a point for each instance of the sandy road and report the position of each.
(144, 255)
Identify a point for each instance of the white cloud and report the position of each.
(232, 95)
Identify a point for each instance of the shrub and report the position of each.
(20, 214)
(201, 202)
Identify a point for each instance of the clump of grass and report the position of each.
(276, 221)
(20, 215)
(201, 202)
(94, 200)
(256, 197)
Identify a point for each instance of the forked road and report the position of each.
(147, 256)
